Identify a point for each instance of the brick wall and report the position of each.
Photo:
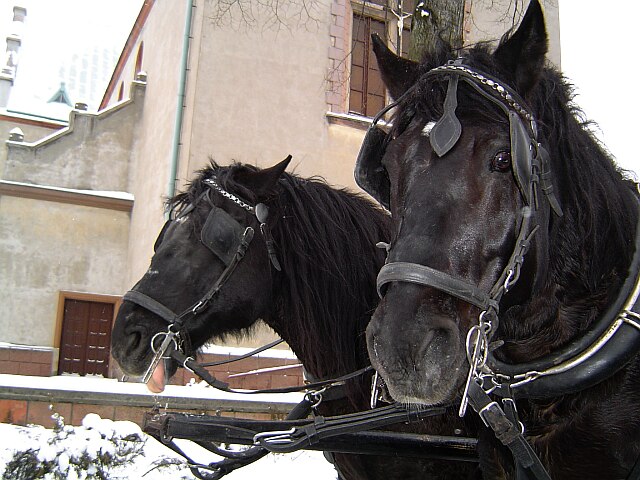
(338, 74)
(39, 361)
(238, 375)
(35, 361)
(29, 408)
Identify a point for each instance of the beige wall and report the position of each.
(261, 95)
(31, 133)
(91, 154)
(47, 247)
(50, 239)
(151, 150)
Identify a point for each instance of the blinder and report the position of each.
(521, 155)
(222, 234)
(369, 173)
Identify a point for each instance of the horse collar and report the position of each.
(601, 352)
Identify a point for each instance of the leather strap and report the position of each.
(246, 355)
(430, 277)
(190, 364)
(152, 305)
(508, 432)
(322, 428)
(238, 459)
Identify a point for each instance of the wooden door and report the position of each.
(86, 337)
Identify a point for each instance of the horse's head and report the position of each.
(468, 185)
(210, 273)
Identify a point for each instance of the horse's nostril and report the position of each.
(136, 336)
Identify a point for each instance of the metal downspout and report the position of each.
(177, 130)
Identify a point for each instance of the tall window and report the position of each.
(366, 95)
(366, 90)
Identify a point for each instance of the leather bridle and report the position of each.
(173, 337)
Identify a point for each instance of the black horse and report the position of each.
(511, 273)
(309, 273)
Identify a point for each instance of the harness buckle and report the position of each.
(198, 307)
(486, 411)
(276, 437)
(374, 390)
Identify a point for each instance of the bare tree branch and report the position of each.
(265, 14)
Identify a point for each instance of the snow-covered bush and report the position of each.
(78, 453)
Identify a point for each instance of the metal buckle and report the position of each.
(374, 391)
(486, 409)
(277, 437)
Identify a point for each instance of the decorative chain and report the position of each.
(212, 182)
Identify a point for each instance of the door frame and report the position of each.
(63, 295)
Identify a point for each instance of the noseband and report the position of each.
(225, 237)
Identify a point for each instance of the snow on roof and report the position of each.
(97, 193)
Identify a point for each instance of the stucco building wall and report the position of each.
(49, 246)
(64, 221)
(92, 153)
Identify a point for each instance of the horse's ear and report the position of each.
(261, 182)
(398, 74)
(523, 53)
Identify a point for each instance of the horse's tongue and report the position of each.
(157, 381)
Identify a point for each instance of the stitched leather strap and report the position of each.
(429, 277)
(152, 305)
(508, 433)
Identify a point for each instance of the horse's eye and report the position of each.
(501, 162)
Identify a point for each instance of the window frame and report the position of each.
(376, 12)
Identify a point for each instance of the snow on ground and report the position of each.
(303, 464)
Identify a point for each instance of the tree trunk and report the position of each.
(433, 21)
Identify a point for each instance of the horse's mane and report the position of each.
(326, 241)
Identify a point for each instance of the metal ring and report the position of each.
(153, 339)
(175, 337)
(315, 396)
(184, 364)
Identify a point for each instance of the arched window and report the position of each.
(139, 57)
